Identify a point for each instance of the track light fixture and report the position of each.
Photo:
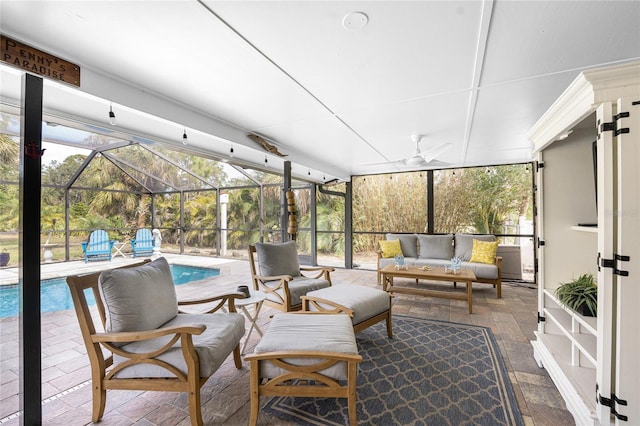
(112, 116)
(184, 137)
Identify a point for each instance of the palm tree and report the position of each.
(8, 157)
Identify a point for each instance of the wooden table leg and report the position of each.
(387, 281)
(469, 296)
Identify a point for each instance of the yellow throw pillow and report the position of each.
(390, 248)
(484, 251)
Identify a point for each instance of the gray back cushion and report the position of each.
(278, 258)
(464, 244)
(138, 298)
(436, 246)
(408, 243)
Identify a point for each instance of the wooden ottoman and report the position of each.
(365, 305)
(307, 355)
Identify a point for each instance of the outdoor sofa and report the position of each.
(437, 251)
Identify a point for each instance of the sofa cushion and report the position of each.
(484, 251)
(482, 270)
(278, 259)
(138, 298)
(435, 246)
(408, 261)
(390, 248)
(464, 244)
(222, 335)
(408, 242)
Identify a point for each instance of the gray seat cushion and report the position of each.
(138, 298)
(365, 302)
(409, 261)
(434, 263)
(299, 286)
(278, 259)
(482, 270)
(308, 332)
(223, 333)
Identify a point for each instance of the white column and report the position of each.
(224, 200)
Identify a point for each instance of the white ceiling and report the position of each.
(475, 74)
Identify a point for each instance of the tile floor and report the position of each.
(225, 397)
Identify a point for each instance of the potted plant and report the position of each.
(581, 295)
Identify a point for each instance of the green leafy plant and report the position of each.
(581, 295)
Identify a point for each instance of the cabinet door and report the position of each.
(540, 269)
(606, 282)
(628, 244)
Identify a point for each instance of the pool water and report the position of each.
(55, 296)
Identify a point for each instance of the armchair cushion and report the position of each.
(299, 286)
(223, 333)
(278, 259)
(137, 299)
(464, 244)
(436, 246)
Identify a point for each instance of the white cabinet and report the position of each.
(588, 143)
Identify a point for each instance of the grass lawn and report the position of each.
(9, 244)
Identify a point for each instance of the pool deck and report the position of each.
(66, 388)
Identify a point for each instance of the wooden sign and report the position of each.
(36, 61)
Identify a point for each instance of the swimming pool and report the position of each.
(55, 296)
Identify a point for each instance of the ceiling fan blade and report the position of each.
(434, 152)
(404, 161)
(438, 163)
(420, 159)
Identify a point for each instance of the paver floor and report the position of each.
(66, 390)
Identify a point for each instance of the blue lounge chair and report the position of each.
(98, 247)
(142, 244)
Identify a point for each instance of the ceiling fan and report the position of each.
(423, 158)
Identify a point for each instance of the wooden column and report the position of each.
(283, 200)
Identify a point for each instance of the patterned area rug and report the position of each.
(430, 373)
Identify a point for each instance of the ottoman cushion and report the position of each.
(308, 332)
(365, 302)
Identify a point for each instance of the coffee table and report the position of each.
(466, 276)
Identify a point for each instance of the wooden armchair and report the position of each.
(280, 276)
(147, 343)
